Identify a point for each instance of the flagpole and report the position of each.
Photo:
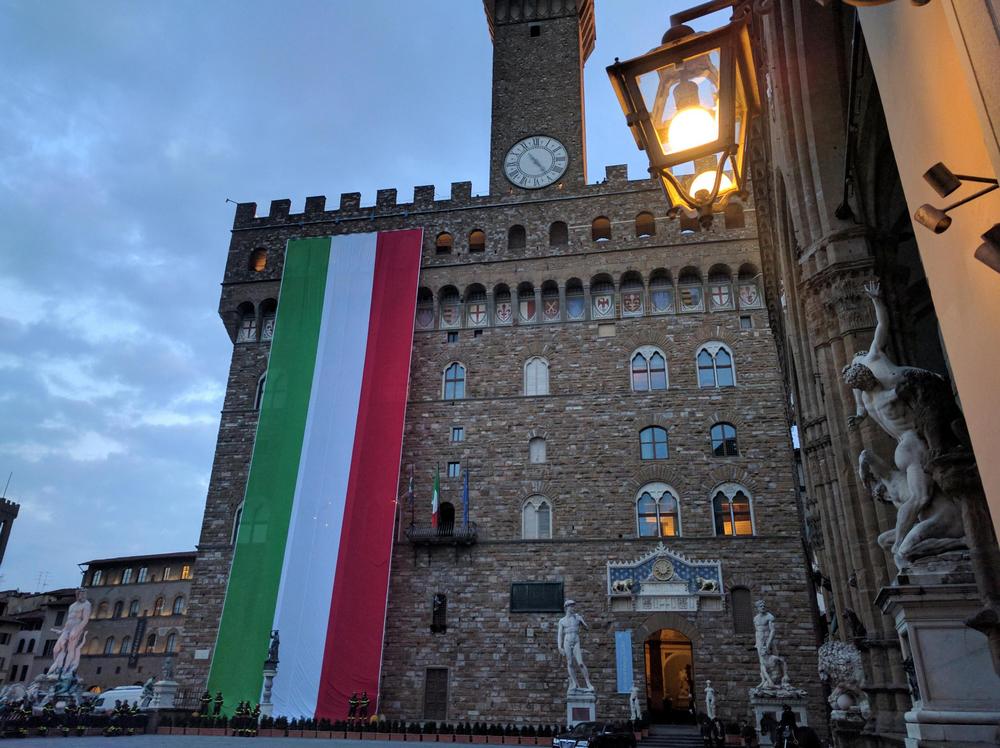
(413, 520)
(465, 501)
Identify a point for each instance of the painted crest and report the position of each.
(425, 317)
(477, 313)
(722, 296)
(574, 307)
(449, 315)
(604, 305)
(632, 302)
(663, 300)
(267, 330)
(526, 308)
(691, 298)
(550, 308)
(749, 295)
(504, 313)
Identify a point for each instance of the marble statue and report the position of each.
(709, 700)
(146, 697)
(683, 688)
(66, 653)
(634, 708)
(773, 668)
(272, 647)
(916, 408)
(840, 668)
(568, 641)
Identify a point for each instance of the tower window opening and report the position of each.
(534, 30)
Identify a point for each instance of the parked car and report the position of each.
(595, 735)
(105, 701)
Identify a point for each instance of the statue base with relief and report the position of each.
(763, 702)
(581, 706)
(954, 688)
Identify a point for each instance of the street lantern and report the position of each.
(688, 103)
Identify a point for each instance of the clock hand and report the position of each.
(537, 162)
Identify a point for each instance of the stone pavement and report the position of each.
(181, 741)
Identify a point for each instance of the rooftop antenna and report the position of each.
(43, 581)
(7, 485)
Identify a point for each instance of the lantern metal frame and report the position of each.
(735, 58)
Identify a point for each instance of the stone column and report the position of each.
(539, 316)
(562, 315)
(515, 307)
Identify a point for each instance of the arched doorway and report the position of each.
(669, 677)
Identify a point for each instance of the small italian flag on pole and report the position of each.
(436, 497)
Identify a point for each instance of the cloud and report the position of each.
(77, 379)
(88, 446)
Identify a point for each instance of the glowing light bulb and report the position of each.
(706, 180)
(691, 127)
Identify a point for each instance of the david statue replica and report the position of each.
(916, 408)
(568, 641)
(66, 653)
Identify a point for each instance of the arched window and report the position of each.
(536, 518)
(444, 243)
(724, 440)
(558, 234)
(536, 450)
(739, 598)
(600, 229)
(477, 240)
(653, 443)
(237, 516)
(247, 331)
(109, 645)
(258, 396)
(454, 382)
(94, 646)
(649, 369)
(102, 610)
(268, 315)
(715, 366)
(602, 298)
(133, 609)
(451, 307)
(171, 643)
(158, 607)
(733, 513)
(645, 225)
(258, 260)
(536, 376)
(734, 215)
(150, 643)
(117, 612)
(517, 237)
(123, 649)
(178, 608)
(425, 309)
(127, 576)
(657, 511)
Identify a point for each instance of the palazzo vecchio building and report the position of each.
(607, 376)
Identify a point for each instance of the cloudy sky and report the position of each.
(124, 126)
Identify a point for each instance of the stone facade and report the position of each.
(590, 420)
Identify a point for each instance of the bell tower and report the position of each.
(539, 48)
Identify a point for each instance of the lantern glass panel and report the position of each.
(682, 99)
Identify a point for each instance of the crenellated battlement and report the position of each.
(8, 508)
(615, 181)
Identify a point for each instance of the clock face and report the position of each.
(535, 162)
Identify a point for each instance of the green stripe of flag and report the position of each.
(260, 547)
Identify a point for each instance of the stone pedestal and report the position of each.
(846, 727)
(772, 703)
(581, 706)
(164, 692)
(266, 707)
(954, 688)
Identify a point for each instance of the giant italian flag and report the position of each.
(314, 544)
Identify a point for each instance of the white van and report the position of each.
(105, 702)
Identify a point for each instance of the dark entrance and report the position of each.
(669, 677)
(446, 518)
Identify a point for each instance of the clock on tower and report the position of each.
(539, 48)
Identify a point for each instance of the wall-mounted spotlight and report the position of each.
(943, 181)
(988, 252)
